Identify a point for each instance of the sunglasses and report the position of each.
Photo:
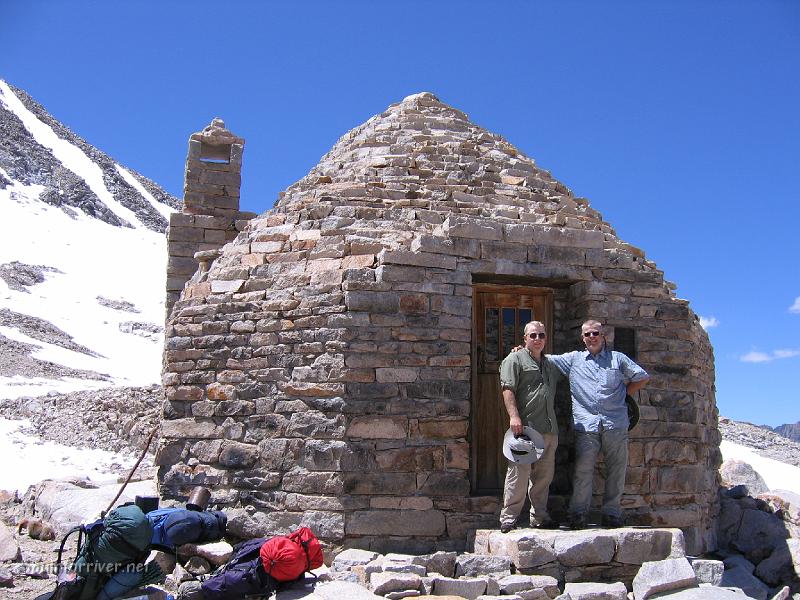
(591, 333)
(534, 336)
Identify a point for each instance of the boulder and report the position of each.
(737, 560)
(466, 588)
(737, 472)
(336, 590)
(596, 591)
(384, 582)
(708, 571)
(216, 553)
(705, 592)
(476, 565)
(347, 559)
(584, 548)
(663, 576)
(782, 565)
(66, 505)
(6, 578)
(9, 548)
(443, 563)
(738, 577)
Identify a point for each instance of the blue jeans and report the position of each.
(614, 444)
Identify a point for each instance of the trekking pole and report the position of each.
(130, 475)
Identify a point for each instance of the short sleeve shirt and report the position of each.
(598, 385)
(534, 387)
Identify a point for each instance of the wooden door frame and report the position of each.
(477, 289)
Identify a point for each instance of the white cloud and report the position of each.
(795, 308)
(709, 322)
(755, 356)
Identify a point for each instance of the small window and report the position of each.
(215, 154)
(625, 341)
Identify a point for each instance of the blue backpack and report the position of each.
(173, 527)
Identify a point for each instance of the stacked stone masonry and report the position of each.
(320, 370)
(210, 215)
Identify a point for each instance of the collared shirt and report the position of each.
(534, 387)
(598, 384)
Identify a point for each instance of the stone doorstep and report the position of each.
(613, 551)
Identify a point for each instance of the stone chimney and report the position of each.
(210, 216)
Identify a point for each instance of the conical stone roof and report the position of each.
(421, 167)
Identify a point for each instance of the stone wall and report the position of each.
(319, 371)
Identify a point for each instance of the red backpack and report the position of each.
(287, 557)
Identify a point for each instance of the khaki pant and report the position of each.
(536, 478)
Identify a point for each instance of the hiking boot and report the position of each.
(506, 527)
(612, 521)
(577, 521)
(547, 523)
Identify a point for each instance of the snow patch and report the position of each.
(776, 474)
(94, 259)
(28, 460)
(165, 210)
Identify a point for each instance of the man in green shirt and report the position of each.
(528, 382)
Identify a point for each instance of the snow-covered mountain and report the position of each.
(82, 260)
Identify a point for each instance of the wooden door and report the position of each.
(500, 315)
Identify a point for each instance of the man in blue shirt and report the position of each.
(599, 380)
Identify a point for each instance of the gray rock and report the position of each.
(384, 582)
(501, 597)
(737, 472)
(466, 588)
(198, 566)
(585, 548)
(782, 565)
(66, 505)
(759, 533)
(512, 584)
(442, 563)
(216, 553)
(704, 593)
(9, 549)
(635, 546)
(402, 563)
(475, 565)
(336, 590)
(6, 578)
(538, 594)
(737, 560)
(351, 557)
(739, 577)
(663, 576)
(708, 571)
(596, 591)
(524, 549)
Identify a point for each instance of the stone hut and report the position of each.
(336, 364)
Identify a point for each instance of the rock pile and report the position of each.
(766, 442)
(762, 533)
(113, 419)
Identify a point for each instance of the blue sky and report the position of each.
(679, 121)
